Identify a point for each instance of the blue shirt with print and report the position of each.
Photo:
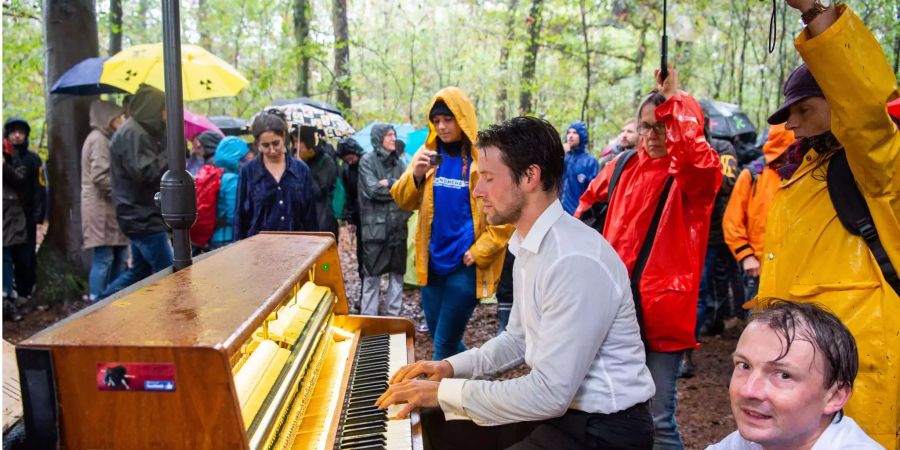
(452, 231)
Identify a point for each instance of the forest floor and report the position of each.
(704, 414)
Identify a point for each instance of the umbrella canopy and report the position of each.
(311, 102)
(404, 133)
(203, 75)
(84, 79)
(231, 126)
(195, 124)
(329, 123)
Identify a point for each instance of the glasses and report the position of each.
(658, 128)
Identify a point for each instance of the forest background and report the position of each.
(562, 60)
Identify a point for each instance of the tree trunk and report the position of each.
(341, 54)
(587, 62)
(530, 62)
(70, 31)
(115, 26)
(639, 62)
(504, 60)
(202, 27)
(301, 35)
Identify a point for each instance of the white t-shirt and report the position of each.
(842, 435)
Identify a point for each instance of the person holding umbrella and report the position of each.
(848, 149)
(137, 163)
(275, 191)
(99, 227)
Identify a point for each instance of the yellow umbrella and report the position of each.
(203, 75)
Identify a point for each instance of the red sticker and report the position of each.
(119, 376)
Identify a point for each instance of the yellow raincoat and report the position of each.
(490, 241)
(809, 256)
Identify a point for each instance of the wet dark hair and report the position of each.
(526, 141)
(818, 326)
(654, 98)
(269, 121)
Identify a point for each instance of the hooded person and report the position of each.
(744, 222)
(382, 223)
(99, 228)
(137, 163)
(459, 257)
(324, 171)
(580, 166)
(30, 189)
(847, 147)
(227, 156)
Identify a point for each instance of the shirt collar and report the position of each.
(541, 226)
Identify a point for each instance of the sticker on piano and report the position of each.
(119, 376)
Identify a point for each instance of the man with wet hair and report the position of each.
(794, 368)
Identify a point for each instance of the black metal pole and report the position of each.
(663, 63)
(177, 198)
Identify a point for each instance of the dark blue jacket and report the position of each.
(264, 205)
(580, 168)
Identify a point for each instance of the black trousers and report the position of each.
(24, 258)
(630, 429)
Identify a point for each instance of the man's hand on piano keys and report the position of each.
(431, 370)
(415, 393)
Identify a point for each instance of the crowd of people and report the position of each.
(675, 236)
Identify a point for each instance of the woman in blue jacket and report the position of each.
(275, 191)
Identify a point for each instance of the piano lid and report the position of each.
(247, 282)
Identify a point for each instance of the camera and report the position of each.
(436, 159)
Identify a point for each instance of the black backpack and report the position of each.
(854, 214)
(595, 216)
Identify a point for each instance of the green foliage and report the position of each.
(403, 51)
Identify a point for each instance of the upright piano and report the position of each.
(251, 347)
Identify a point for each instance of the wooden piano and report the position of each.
(251, 347)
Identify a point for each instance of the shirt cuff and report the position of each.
(463, 365)
(450, 393)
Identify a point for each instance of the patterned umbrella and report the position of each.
(330, 123)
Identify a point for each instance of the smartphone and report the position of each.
(436, 159)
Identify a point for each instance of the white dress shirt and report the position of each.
(572, 321)
(843, 435)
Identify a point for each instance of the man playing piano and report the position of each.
(573, 323)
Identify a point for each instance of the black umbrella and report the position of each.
(231, 126)
(311, 102)
(84, 79)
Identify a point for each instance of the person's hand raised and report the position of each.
(670, 86)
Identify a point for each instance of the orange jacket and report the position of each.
(744, 223)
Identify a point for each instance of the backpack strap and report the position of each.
(617, 171)
(854, 214)
(644, 255)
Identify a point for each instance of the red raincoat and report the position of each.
(671, 280)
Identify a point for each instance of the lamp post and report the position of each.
(177, 198)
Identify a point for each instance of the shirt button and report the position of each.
(279, 188)
(771, 256)
(280, 202)
(282, 218)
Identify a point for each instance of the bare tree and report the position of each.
(341, 54)
(115, 26)
(70, 31)
(301, 35)
(530, 62)
(504, 60)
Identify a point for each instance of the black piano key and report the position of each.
(364, 447)
(368, 385)
(369, 431)
(365, 419)
(366, 442)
